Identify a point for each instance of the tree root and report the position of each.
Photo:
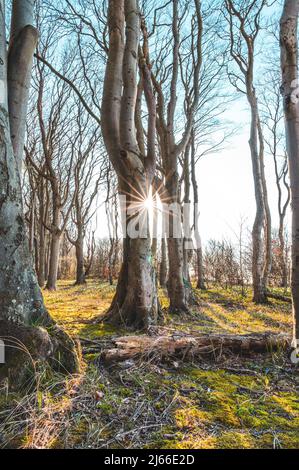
(26, 346)
(128, 316)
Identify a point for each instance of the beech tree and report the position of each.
(199, 251)
(22, 306)
(167, 88)
(38, 204)
(289, 88)
(111, 208)
(87, 176)
(54, 160)
(244, 24)
(272, 119)
(135, 302)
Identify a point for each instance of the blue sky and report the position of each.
(226, 192)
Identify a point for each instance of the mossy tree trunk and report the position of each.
(23, 315)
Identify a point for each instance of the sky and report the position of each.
(226, 190)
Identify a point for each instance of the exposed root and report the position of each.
(27, 345)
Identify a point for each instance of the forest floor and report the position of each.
(227, 402)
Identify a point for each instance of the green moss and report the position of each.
(234, 440)
(190, 407)
(99, 330)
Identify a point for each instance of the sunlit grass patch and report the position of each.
(167, 405)
(235, 313)
(76, 307)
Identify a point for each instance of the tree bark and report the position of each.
(23, 40)
(21, 301)
(176, 285)
(41, 276)
(267, 224)
(258, 279)
(53, 261)
(80, 272)
(163, 263)
(289, 67)
(199, 256)
(187, 241)
(283, 257)
(135, 303)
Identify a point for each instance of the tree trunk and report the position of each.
(199, 257)
(177, 286)
(259, 287)
(163, 263)
(48, 251)
(136, 302)
(23, 39)
(53, 261)
(42, 256)
(283, 258)
(187, 241)
(110, 267)
(155, 233)
(32, 225)
(267, 224)
(21, 301)
(200, 273)
(43, 215)
(80, 271)
(289, 67)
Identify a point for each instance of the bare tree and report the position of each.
(135, 302)
(199, 251)
(244, 24)
(289, 68)
(111, 207)
(58, 153)
(166, 83)
(272, 119)
(22, 306)
(87, 176)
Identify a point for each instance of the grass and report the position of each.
(231, 403)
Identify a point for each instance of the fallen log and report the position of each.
(183, 346)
